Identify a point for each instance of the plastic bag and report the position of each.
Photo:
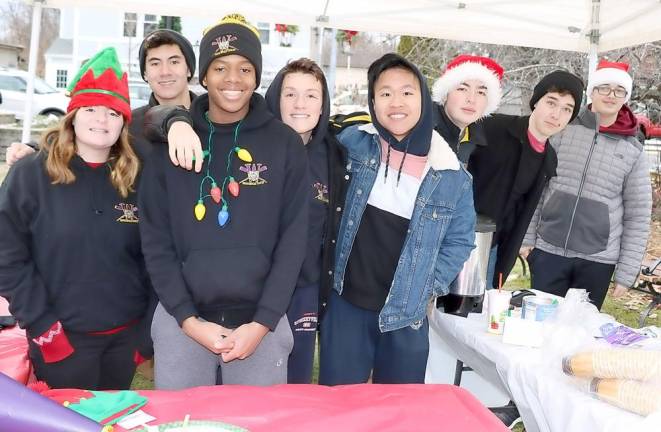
(603, 357)
(572, 328)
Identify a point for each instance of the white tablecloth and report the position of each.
(545, 397)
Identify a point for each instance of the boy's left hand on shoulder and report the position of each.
(243, 341)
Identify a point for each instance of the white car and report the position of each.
(47, 101)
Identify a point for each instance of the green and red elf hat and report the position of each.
(101, 81)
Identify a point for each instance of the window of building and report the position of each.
(264, 32)
(61, 78)
(151, 24)
(130, 24)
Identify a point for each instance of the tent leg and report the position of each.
(592, 59)
(320, 46)
(332, 65)
(32, 68)
(594, 38)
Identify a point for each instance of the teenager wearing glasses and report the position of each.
(594, 217)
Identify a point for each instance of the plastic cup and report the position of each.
(498, 305)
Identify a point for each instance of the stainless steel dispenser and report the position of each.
(467, 291)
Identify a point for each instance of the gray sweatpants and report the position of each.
(180, 362)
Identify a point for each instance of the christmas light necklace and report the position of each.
(229, 183)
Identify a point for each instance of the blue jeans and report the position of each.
(352, 347)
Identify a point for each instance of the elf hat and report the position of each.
(101, 81)
(465, 67)
(615, 73)
(231, 35)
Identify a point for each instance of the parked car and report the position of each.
(648, 129)
(47, 101)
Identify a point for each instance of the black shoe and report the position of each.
(507, 414)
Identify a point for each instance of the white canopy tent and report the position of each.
(590, 26)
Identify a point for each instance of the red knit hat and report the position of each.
(616, 73)
(101, 81)
(465, 67)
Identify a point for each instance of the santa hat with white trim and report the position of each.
(616, 73)
(465, 67)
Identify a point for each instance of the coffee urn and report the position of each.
(467, 291)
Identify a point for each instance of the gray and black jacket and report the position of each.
(598, 207)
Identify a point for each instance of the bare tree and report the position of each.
(17, 22)
(525, 66)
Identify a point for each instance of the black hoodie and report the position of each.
(70, 253)
(417, 142)
(323, 151)
(245, 271)
(318, 186)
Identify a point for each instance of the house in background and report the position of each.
(84, 31)
(10, 56)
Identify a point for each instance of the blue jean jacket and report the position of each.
(441, 232)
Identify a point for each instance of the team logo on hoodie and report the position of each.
(322, 192)
(129, 213)
(306, 323)
(253, 171)
(223, 42)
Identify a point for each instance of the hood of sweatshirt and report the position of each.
(418, 140)
(273, 104)
(626, 123)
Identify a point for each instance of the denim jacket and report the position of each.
(441, 231)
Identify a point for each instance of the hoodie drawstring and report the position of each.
(401, 164)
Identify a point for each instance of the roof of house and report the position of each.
(60, 46)
(11, 46)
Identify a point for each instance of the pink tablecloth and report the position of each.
(313, 408)
(14, 360)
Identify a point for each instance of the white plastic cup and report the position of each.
(498, 305)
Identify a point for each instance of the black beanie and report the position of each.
(232, 35)
(560, 81)
(178, 39)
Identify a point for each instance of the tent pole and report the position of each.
(320, 45)
(594, 38)
(332, 65)
(32, 68)
(592, 59)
